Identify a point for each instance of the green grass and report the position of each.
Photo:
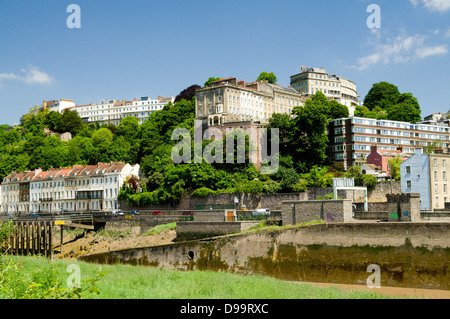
(138, 282)
(160, 229)
(261, 226)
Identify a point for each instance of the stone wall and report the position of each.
(270, 201)
(413, 255)
(404, 207)
(144, 222)
(297, 212)
(197, 230)
(210, 216)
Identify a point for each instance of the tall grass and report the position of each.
(160, 229)
(138, 282)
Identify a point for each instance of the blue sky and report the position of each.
(128, 49)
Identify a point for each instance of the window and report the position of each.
(408, 169)
(435, 176)
(435, 162)
(444, 175)
(444, 163)
(408, 184)
(445, 188)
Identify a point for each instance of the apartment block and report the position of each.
(74, 189)
(113, 111)
(427, 175)
(351, 139)
(229, 100)
(57, 105)
(312, 80)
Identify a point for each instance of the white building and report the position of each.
(77, 189)
(58, 106)
(113, 111)
(230, 101)
(312, 80)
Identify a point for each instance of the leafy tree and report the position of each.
(188, 93)
(383, 95)
(289, 178)
(394, 167)
(71, 122)
(384, 101)
(265, 76)
(310, 141)
(337, 110)
(210, 80)
(407, 109)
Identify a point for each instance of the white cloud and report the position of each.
(422, 53)
(29, 75)
(433, 5)
(400, 49)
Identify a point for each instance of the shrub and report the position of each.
(202, 192)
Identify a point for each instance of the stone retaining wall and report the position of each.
(414, 255)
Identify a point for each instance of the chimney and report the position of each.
(44, 105)
(400, 148)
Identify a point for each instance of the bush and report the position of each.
(301, 187)
(202, 192)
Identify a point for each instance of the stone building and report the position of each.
(229, 100)
(312, 80)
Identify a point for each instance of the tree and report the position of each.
(337, 110)
(309, 137)
(70, 121)
(383, 95)
(210, 80)
(265, 76)
(188, 93)
(407, 109)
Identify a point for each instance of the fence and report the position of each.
(32, 238)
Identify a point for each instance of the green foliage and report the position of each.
(6, 230)
(265, 76)
(210, 80)
(369, 181)
(15, 283)
(384, 101)
(329, 196)
(160, 229)
(202, 192)
(394, 167)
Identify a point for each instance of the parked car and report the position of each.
(187, 213)
(156, 212)
(135, 212)
(117, 212)
(34, 215)
(261, 212)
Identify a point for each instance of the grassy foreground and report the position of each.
(136, 282)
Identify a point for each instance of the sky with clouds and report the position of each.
(128, 49)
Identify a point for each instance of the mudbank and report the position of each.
(414, 255)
